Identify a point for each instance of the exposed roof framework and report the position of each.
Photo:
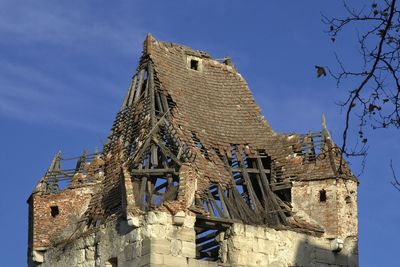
(189, 136)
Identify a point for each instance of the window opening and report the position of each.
(194, 64)
(207, 238)
(54, 211)
(322, 195)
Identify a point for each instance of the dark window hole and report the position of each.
(54, 211)
(194, 64)
(322, 195)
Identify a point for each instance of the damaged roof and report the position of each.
(189, 133)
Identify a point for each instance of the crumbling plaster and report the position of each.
(158, 242)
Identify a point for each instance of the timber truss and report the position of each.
(152, 151)
(250, 198)
(145, 142)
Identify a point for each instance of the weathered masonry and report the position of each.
(193, 175)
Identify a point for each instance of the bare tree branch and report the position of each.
(375, 100)
(395, 182)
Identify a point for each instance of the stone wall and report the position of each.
(157, 242)
(163, 240)
(260, 246)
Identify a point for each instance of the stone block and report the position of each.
(127, 263)
(258, 259)
(179, 218)
(156, 231)
(37, 256)
(129, 252)
(186, 234)
(238, 229)
(277, 264)
(176, 247)
(145, 247)
(175, 261)
(157, 218)
(325, 256)
(144, 260)
(131, 221)
(265, 247)
(88, 264)
(242, 244)
(189, 221)
(133, 236)
(189, 249)
(80, 255)
(243, 258)
(156, 258)
(250, 231)
(89, 254)
(201, 263)
(162, 246)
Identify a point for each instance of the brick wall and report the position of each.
(47, 227)
(337, 214)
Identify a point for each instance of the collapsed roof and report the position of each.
(189, 136)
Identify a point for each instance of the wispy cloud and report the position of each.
(52, 23)
(64, 91)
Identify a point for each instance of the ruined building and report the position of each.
(193, 175)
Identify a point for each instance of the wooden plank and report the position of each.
(236, 206)
(264, 196)
(161, 186)
(215, 204)
(232, 209)
(139, 86)
(142, 192)
(210, 209)
(249, 170)
(222, 199)
(207, 245)
(269, 193)
(281, 187)
(166, 151)
(165, 103)
(180, 151)
(150, 79)
(150, 187)
(154, 155)
(207, 236)
(170, 187)
(158, 102)
(153, 172)
(148, 139)
(249, 186)
(211, 254)
(132, 91)
(214, 221)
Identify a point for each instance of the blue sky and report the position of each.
(65, 66)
